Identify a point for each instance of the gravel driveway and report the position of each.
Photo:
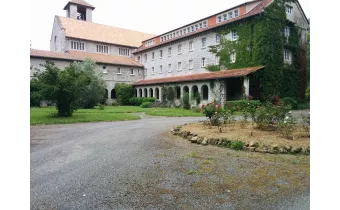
(136, 165)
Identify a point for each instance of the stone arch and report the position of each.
(113, 94)
(178, 92)
(140, 93)
(157, 93)
(151, 92)
(205, 92)
(194, 89)
(145, 92)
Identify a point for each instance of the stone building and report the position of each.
(176, 58)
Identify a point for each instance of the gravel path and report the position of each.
(134, 165)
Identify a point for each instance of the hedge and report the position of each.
(145, 104)
(124, 93)
(138, 101)
(244, 103)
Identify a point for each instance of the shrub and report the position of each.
(292, 102)
(213, 112)
(115, 104)
(124, 93)
(186, 101)
(138, 101)
(237, 145)
(243, 104)
(270, 114)
(197, 98)
(101, 107)
(145, 104)
(288, 126)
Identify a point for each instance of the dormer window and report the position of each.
(289, 9)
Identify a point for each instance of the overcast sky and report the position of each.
(151, 16)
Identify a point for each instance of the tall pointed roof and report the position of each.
(79, 2)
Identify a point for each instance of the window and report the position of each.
(102, 49)
(139, 59)
(153, 55)
(204, 40)
(119, 71)
(218, 38)
(203, 62)
(287, 57)
(234, 35)
(219, 18)
(201, 25)
(76, 45)
(161, 53)
(191, 46)
(169, 51)
(161, 69)
(191, 64)
(105, 69)
(188, 29)
(204, 24)
(289, 9)
(236, 13)
(217, 60)
(230, 15)
(287, 31)
(233, 57)
(153, 70)
(185, 31)
(179, 49)
(132, 72)
(224, 17)
(169, 67)
(145, 71)
(196, 27)
(145, 58)
(124, 51)
(179, 66)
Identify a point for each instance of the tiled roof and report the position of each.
(79, 2)
(256, 10)
(203, 76)
(102, 33)
(80, 56)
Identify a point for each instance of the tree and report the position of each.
(61, 87)
(93, 88)
(124, 93)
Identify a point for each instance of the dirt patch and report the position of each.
(248, 134)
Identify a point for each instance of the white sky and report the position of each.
(151, 16)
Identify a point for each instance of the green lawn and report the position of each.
(41, 116)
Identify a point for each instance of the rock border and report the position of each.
(251, 147)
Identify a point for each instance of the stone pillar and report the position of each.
(89, 14)
(160, 94)
(246, 86)
(73, 11)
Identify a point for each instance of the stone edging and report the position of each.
(252, 146)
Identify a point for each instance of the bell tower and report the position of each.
(79, 10)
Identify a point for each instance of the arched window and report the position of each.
(178, 92)
(113, 94)
(151, 92)
(194, 90)
(140, 93)
(157, 93)
(205, 92)
(145, 92)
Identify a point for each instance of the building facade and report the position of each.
(178, 58)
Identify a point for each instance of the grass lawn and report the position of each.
(41, 116)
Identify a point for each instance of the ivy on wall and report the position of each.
(261, 41)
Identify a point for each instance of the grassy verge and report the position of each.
(173, 112)
(43, 116)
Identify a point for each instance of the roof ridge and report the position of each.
(103, 25)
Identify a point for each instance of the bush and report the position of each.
(101, 106)
(243, 104)
(292, 102)
(237, 145)
(145, 104)
(214, 112)
(115, 104)
(138, 101)
(186, 101)
(124, 93)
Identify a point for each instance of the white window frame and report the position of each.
(153, 56)
(169, 51)
(204, 43)
(119, 70)
(124, 51)
(287, 56)
(236, 13)
(77, 45)
(132, 72)
(230, 15)
(179, 66)
(287, 31)
(191, 64)
(203, 62)
(234, 35)
(161, 54)
(161, 69)
(169, 67)
(103, 49)
(179, 49)
(289, 10)
(145, 71)
(219, 19)
(191, 43)
(153, 70)
(233, 57)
